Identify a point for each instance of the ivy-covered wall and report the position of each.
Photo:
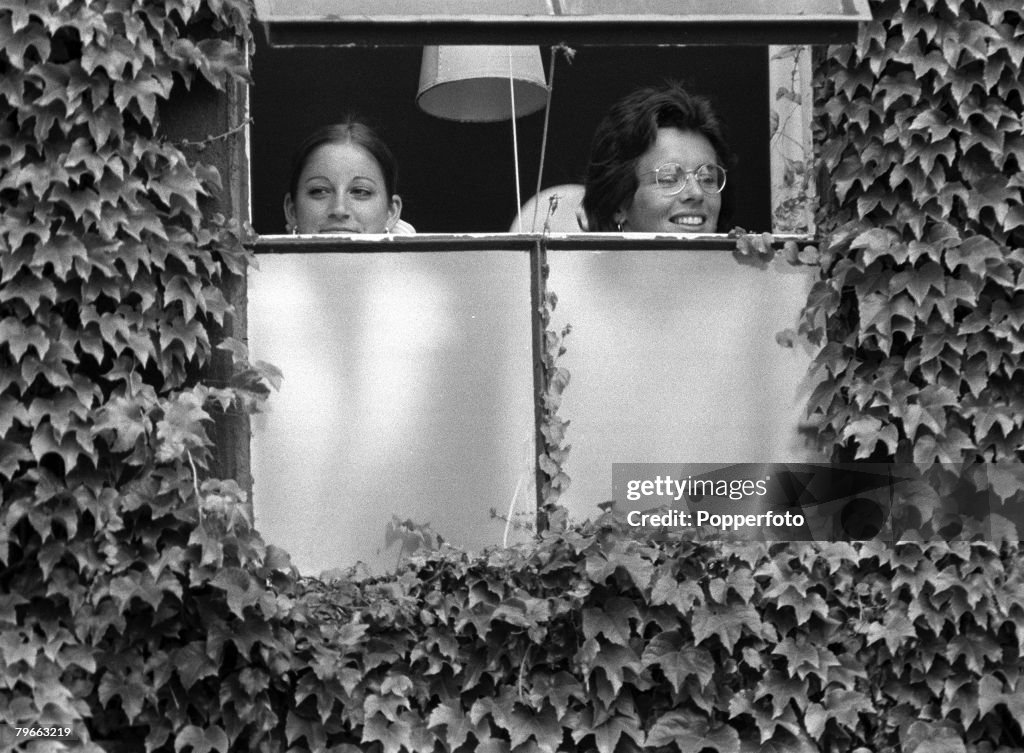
(919, 305)
(119, 249)
(138, 606)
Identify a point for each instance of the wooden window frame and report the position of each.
(620, 30)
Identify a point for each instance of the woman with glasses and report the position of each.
(344, 180)
(658, 164)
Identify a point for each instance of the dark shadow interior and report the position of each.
(459, 177)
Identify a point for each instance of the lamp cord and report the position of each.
(569, 53)
(544, 136)
(515, 137)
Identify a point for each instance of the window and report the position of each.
(409, 364)
(459, 177)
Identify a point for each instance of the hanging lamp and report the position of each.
(471, 83)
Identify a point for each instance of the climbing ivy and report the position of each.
(135, 600)
(919, 305)
(139, 606)
(553, 428)
(595, 640)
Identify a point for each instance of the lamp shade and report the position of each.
(470, 83)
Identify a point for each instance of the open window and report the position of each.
(411, 363)
(459, 177)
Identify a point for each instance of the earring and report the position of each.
(618, 226)
(387, 230)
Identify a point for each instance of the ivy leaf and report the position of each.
(608, 735)
(876, 242)
(816, 719)
(804, 659)
(127, 418)
(81, 201)
(12, 411)
(241, 589)
(107, 121)
(192, 663)
(904, 84)
(189, 334)
(726, 623)
(397, 684)
(682, 595)
(602, 567)
(1005, 479)
(143, 91)
(130, 690)
(804, 606)
(184, 290)
(12, 454)
(298, 727)
(946, 449)
(20, 338)
(181, 428)
(493, 745)
(222, 60)
(867, 432)
(691, 731)
(388, 706)
(17, 649)
(450, 714)
(114, 56)
(616, 661)
(845, 707)
(523, 612)
(393, 736)
(930, 410)
(793, 744)
(30, 289)
(80, 656)
(929, 277)
(45, 441)
(986, 416)
(201, 740)
(894, 631)
(177, 181)
(498, 709)
(990, 694)
(611, 621)
(542, 726)
(689, 661)
(932, 737)
(742, 583)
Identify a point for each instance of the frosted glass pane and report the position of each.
(674, 359)
(407, 391)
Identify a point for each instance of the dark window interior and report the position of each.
(458, 177)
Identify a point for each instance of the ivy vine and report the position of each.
(139, 606)
(128, 572)
(595, 640)
(554, 452)
(920, 300)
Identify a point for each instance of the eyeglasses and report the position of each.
(671, 178)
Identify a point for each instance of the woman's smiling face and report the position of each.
(692, 210)
(341, 190)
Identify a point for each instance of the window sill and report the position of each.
(429, 242)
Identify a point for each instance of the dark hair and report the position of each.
(628, 130)
(348, 131)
